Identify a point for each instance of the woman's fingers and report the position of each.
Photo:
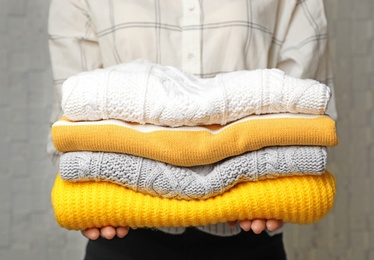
(105, 232)
(108, 232)
(258, 225)
(91, 233)
(122, 231)
(274, 224)
(245, 224)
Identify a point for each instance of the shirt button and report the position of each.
(190, 56)
(192, 7)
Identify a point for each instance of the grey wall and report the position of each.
(348, 231)
(27, 226)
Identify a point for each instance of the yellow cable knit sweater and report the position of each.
(190, 146)
(297, 199)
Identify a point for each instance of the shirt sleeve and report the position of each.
(73, 48)
(304, 53)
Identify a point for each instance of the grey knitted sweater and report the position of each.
(198, 182)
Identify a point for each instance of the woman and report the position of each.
(203, 38)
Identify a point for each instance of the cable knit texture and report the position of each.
(192, 146)
(144, 92)
(296, 199)
(200, 182)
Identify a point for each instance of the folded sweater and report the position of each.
(144, 92)
(199, 182)
(199, 145)
(296, 199)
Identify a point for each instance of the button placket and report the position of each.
(191, 38)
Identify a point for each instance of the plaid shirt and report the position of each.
(203, 37)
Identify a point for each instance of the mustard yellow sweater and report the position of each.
(190, 146)
(297, 199)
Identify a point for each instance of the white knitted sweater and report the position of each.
(144, 92)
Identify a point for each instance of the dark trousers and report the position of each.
(192, 244)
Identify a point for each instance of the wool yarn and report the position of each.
(145, 92)
(199, 182)
(297, 199)
(192, 146)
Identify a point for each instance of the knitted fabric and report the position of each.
(191, 146)
(200, 182)
(296, 199)
(144, 92)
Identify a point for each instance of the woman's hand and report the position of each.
(258, 225)
(105, 232)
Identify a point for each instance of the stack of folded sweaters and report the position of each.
(145, 145)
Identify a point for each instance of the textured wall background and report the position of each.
(27, 227)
